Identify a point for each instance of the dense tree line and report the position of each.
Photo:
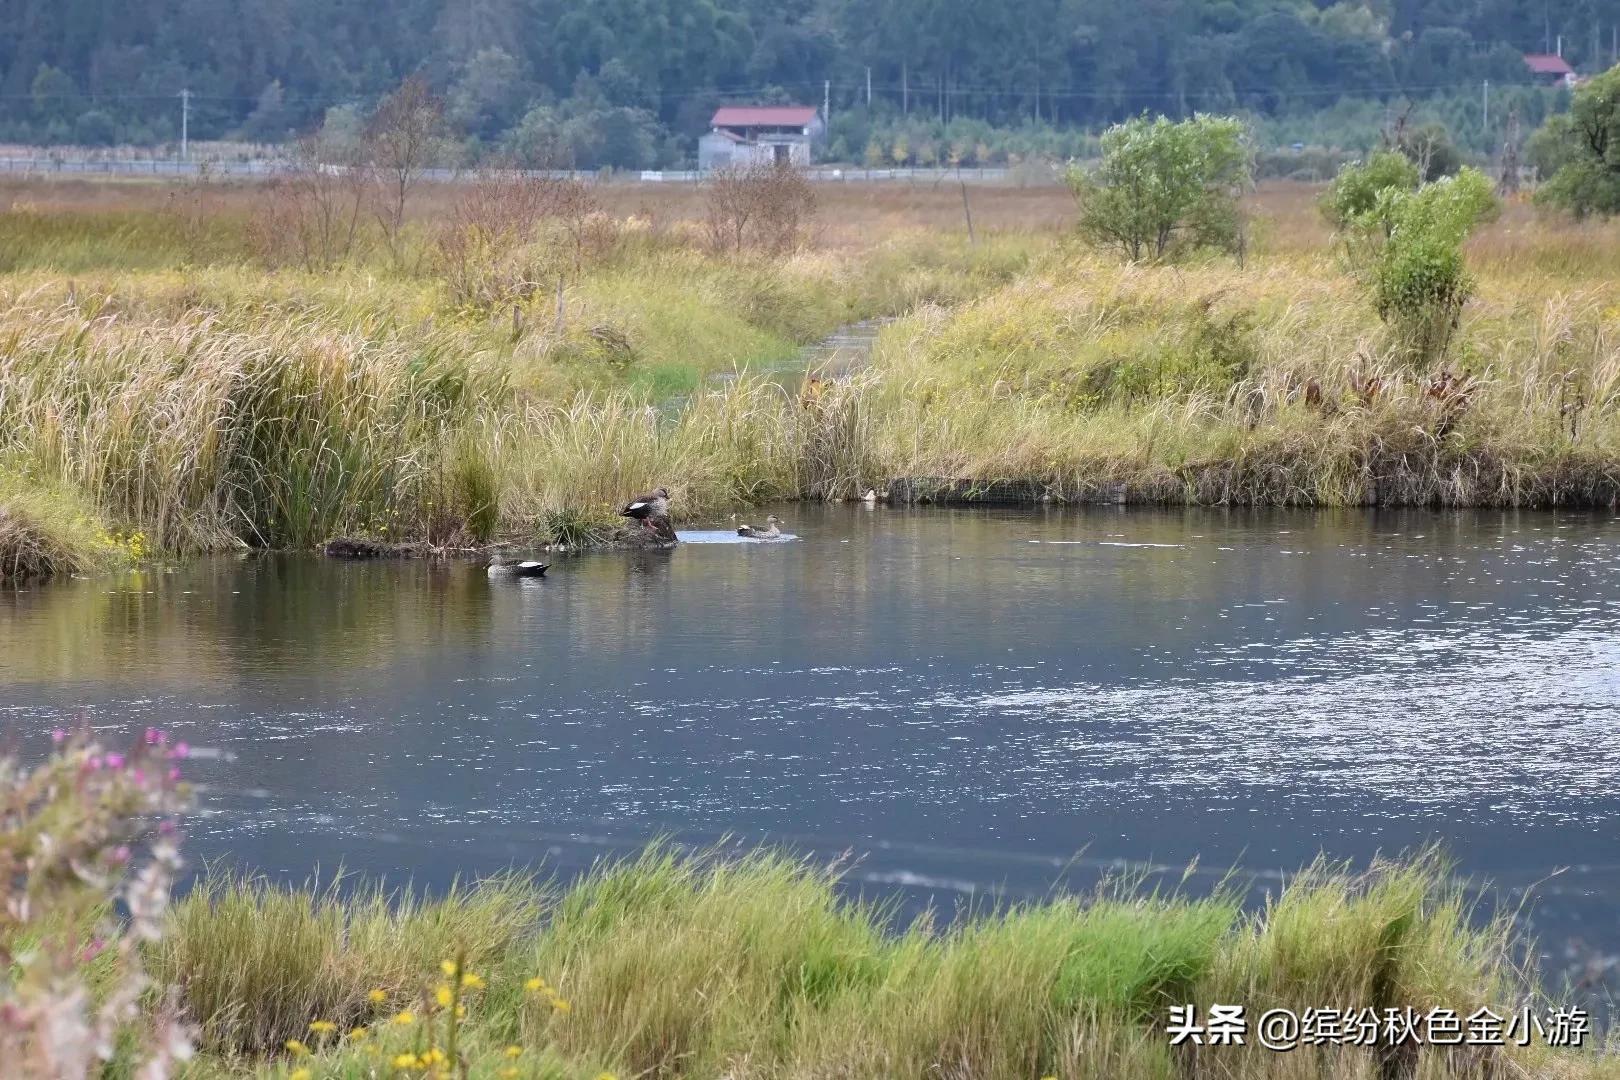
(633, 81)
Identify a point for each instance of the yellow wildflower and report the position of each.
(471, 981)
(300, 1074)
(560, 1005)
(433, 1056)
(444, 997)
(514, 1051)
(448, 967)
(508, 1073)
(536, 983)
(461, 1012)
(322, 1027)
(606, 1076)
(295, 1048)
(359, 1034)
(404, 1061)
(378, 996)
(406, 1017)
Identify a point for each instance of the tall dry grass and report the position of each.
(236, 406)
(1272, 384)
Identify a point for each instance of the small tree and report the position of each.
(1419, 280)
(310, 214)
(1584, 147)
(762, 205)
(1165, 186)
(1354, 194)
(404, 137)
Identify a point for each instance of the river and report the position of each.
(979, 704)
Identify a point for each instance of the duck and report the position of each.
(870, 498)
(654, 504)
(771, 531)
(519, 569)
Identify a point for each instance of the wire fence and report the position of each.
(54, 165)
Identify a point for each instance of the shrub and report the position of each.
(1430, 150)
(764, 206)
(1165, 186)
(1419, 281)
(1356, 190)
(1583, 147)
(310, 214)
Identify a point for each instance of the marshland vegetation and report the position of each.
(215, 365)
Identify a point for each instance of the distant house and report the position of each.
(1549, 70)
(747, 134)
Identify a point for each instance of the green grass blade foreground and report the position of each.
(755, 965)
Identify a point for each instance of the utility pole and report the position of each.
(905, 91)
(826, 102)
(1485, 106)
(185, 124)
(868, 87)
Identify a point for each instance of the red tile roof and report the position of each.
(1547, 64)
(764, 116)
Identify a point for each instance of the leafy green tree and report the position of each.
(1586, 146)
(1355, 194)
(54, 94)
(1165, 186)
(1419, 279)
(94, 127)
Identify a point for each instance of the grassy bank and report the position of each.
(181, 388)
(155, 369)
(44, 533)
(1272, 384)
(756, 968)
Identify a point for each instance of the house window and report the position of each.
(782, 153)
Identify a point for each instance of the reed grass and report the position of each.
(191, 394)
(757, 966)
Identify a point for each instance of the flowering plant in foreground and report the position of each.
(86, 832)
(426, 1041)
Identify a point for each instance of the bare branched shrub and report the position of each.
(191, 206)
(581, 217)
(761, 206)
(404, 137)
(511, 233)
(495, 215)
(310, 215)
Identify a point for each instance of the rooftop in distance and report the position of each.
(734, 116)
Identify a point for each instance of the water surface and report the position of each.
(977, 703)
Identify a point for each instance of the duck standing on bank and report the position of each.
(771, 531)
(649, 507)
(652, 511)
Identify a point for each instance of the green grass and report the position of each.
(756, 966)
(46, 532)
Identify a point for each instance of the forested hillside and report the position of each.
(631, 82)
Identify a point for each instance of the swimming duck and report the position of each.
(771, 531)
(519, 569)
(654, 504)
